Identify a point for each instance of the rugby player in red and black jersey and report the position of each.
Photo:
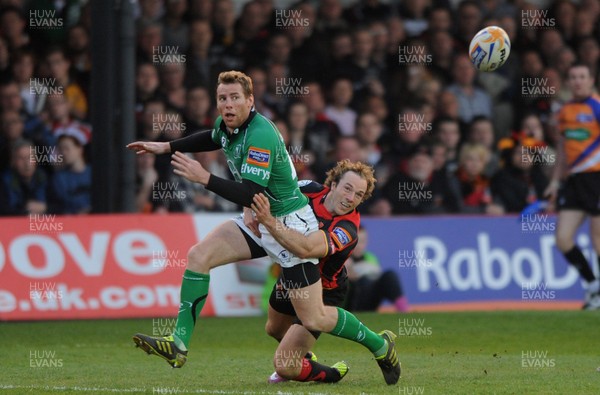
(347, 185)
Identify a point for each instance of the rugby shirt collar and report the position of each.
(242, 127)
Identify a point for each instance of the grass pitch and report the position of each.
(520, 352)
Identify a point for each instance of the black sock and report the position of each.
(314, 371)
(576, 258)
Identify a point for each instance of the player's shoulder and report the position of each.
(594, 102)
(263, 132)
(259, 121)
(310, 187)
(344, 233)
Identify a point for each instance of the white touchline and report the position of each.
(174, 390)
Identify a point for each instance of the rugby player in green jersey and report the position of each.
(258, 159)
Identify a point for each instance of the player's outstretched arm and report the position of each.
(312, 245)
(197, 142)
(149, 147)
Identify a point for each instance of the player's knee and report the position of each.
(199, 259)
(273, 330)
(564, 243)
(314, 323)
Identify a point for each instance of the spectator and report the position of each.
(368, 132)
(171, 85)
(153, 115)
(376, 105)
(302, 138)
(202, 65)
(146, 86)
(481, 131)
(468, 23)
(197, 113)
(588, 51)
(12, 28)
(550, 42)
(532, 69)
(4, 60)
(414, 14)
(447, 132)
(370, 285)
(71, 186)
(150, 11)
(259, 83)
(330, 19)
(441, 44)
(24, 186)
(278, 51)
(365, 11)
(563, 59)
(381, 41)
(474, 185)
(59, 67)
(149, 38)
(564, 12)
(440, 19)
(223, 23)
(418, 190)
(175, 28)
(448, 105)
(11, 101)
(359, 67)
(59, 118)
(472, 101)
(12, 128)
(339, 111)
(251, 32)
(411, 130)
(520, 182)
(307, 50)
(200, 9)
(22, 71)
(585, 22)
(79, 51)
(340, 48)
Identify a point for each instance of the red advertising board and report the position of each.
(111, 266)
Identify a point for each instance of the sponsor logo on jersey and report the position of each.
(262, 173)
(259, 157)
(577, 134)
(583, 117)
(341, 237)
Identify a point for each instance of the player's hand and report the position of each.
(250, 221)
(190, 169)
(551, 191)
(262, 209)
(149, 147)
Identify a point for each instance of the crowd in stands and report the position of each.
(385, 82)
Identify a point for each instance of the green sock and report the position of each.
(349, 327)
(194, 290)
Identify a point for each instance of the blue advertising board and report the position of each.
(473, 258)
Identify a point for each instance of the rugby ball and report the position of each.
(489, 48)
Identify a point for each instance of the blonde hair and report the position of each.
(365, 171)
(234, 76)
(472, 148)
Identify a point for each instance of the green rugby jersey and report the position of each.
(256, 152)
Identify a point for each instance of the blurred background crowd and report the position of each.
(386, 82)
